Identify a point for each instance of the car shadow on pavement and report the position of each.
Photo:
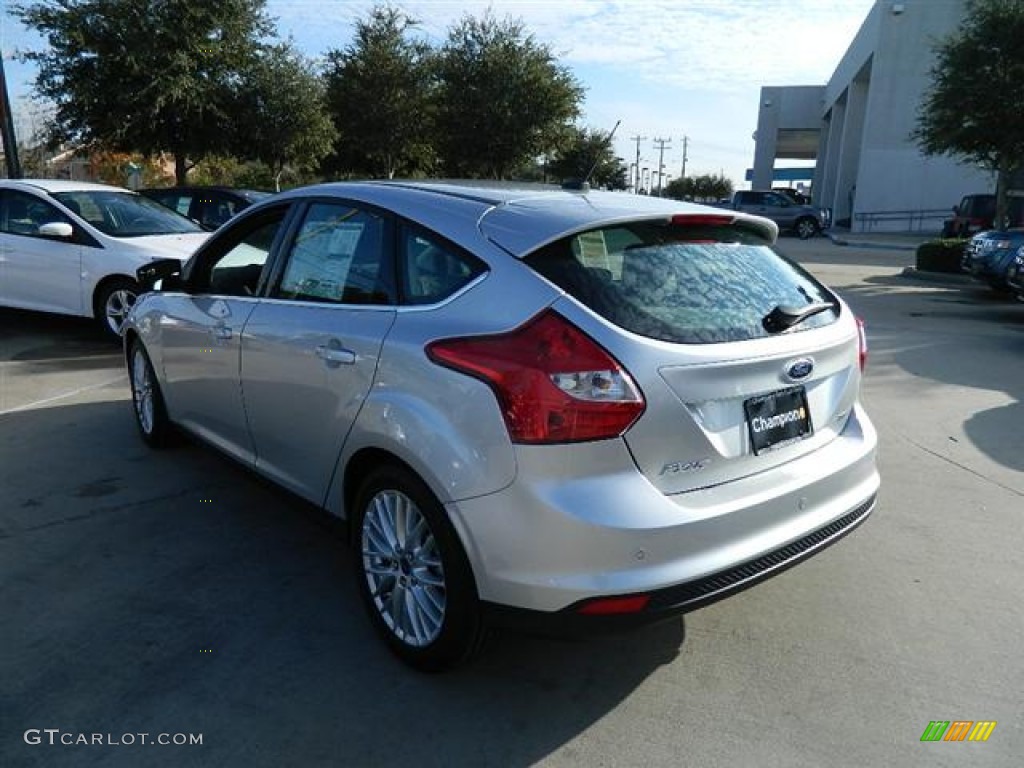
(174, 592)
(44, 343)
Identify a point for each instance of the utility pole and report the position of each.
(638, 138)
(686, 142)
(661, 144)
(7, 128)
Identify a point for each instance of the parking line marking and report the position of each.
(72, 393)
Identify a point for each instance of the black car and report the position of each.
(208, 206)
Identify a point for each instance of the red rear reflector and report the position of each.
(553, 382)
(703, 219)
(862, 344)
(607, 606)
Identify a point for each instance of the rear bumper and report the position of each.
(579, 522)
(669, 602)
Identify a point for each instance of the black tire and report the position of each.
(112, 303)
(417, 586)
(806, 228)
(147, 399)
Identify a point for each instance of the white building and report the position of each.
(858, 127)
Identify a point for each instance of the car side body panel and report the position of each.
(306, 369)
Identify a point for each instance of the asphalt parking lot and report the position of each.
(175, 594)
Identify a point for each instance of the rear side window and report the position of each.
(431, 270)
(681, 283)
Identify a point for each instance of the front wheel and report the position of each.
(806, 228)
(113, 303)
(147, 400)
(414, 578)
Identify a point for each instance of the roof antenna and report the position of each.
(584, 185)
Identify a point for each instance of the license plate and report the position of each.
(777, 418)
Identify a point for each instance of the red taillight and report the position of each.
(554, 383)
(862, 344)
(606, 606)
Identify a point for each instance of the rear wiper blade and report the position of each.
(783, 318)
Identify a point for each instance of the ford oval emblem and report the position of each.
(800, 369)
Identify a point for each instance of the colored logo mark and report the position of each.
(958, 730)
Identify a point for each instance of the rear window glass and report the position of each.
(678, 283)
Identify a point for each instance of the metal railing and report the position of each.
(913, 221)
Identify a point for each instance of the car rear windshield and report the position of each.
(682, 283)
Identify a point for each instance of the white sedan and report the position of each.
(72, 247)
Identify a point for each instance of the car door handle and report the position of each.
(220, 332)
(336, 355)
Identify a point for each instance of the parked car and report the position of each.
(976, 213)
(208, 206)
(73, 247)
(1015, 274)
(534, 407)
(988, 255)
(804, 220)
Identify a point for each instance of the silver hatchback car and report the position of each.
(534, 407)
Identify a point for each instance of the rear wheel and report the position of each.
(113, 303)
(147, 400)
(806, 228)
(414, 578)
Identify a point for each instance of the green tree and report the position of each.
(144, 76)
(281, 119)
(704, 188)
(973, 107)
(379, 98)
(502, 98)
(582, 149)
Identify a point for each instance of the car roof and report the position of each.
(207, 188)
(61, 185)
(517, 216)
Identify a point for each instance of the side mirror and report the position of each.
(171, 284)
(165, 271)
(59, 229)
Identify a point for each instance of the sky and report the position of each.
(666, 69)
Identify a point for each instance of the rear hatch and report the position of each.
(744, 360)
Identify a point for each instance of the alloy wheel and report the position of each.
(403, 569)
(142, 390)
(117, 307)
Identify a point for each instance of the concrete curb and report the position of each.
(842, 241)
(948, 278)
